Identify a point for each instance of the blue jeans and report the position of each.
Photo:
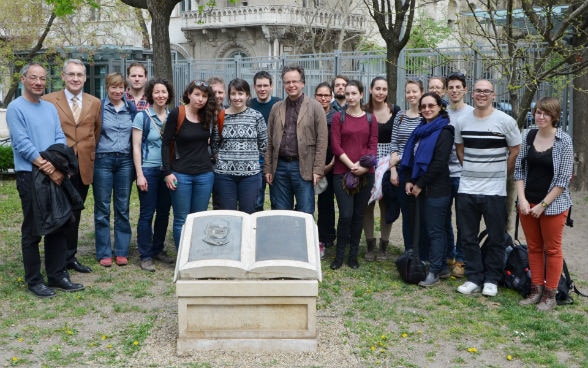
(454, 248)
(472, 207)
(156, 200)
(113, 177)
(435, 214)
(287, 185)
(261, 194)
(192, 194)
(407, 224)
(237, 192)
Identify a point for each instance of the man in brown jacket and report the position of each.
(80, 116)
(297, 146)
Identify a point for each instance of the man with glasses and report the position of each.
(80, 117)
(487, 143)
(455, 85)
(263, 102)
(297, 146)
(34, 127)
(338, 87)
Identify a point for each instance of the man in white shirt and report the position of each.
(487, 143)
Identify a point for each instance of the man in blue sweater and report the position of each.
(263, 102)
(34, 126)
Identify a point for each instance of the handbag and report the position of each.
(409, 265)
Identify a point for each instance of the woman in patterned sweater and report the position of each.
(237, 143)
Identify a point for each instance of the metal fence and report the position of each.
(364, 66)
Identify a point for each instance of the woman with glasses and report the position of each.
(404, 123)
(237, 175)
(425, 167)
(326, 200)
(384, 113)
(185, 156)
(543, 170)
(437, 85)
(354, 141)
(113, 173)
(153, 194)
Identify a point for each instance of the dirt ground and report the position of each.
(333, 343)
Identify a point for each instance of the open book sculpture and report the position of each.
(235, 245)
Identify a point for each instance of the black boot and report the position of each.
(352, 262)
(339, 255)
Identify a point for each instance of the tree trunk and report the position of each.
(580, 120)
(392, 54)
(160, 12)
(144, 32)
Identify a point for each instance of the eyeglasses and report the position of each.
(36, 77)
(322, 96)
(200, 83)
(435, 88)
(484, 92)
(428, 106)
(71, 75)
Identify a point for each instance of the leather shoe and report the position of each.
(335, 265)
(65, 284)
(77, 266)
(41, 290)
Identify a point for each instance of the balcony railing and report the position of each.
(278, 15)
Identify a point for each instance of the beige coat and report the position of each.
(311, 133)
(83, 137)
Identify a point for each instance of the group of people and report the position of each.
(429, 154)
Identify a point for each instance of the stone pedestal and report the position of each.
(247, 315)
(248, 282)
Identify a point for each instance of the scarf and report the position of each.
(425, 135)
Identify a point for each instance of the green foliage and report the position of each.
(67, 7)
(6, 158)
(428, 33)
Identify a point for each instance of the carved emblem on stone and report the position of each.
(217, 233)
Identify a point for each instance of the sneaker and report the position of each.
(322, 249)
(147, 265)
(106, 262)
(431, 280)
(468, 288)
(458, 270)
(163, 257)
(490, 289)
(122, 261)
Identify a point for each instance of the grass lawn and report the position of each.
(370, 315)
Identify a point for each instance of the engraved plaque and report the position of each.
(216, 237)
(281, 237)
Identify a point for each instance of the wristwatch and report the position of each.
(544, 204)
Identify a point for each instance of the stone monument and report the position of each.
(248, 282)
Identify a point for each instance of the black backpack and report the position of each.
(517, 274)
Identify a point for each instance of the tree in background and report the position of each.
(45, 34)
(394, 21)
(160, 12)
(540, 42)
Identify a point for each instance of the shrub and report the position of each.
(6, 158)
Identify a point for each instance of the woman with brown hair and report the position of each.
(188, 174)
(542, 174)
